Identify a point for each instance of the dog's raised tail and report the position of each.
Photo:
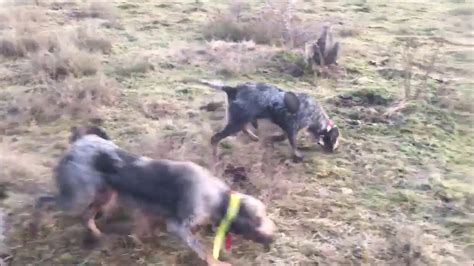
(213, 84)
(229, 90)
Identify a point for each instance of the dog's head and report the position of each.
(330, 139)
(252, 221)
(78, 132)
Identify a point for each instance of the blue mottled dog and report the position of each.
(94, 174)
(82, 190)
(292, 112)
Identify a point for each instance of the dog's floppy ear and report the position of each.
(291, 101)
(106, 164)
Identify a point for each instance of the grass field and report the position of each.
(399, 191)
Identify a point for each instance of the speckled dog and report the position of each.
(82, 190)
(292, 112)
(185, 195)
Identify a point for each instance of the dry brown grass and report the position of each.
(73, 98)
(274, 24)
(87, 38)
(68, 61)
(95, 9)
(135, 64)
(19, 34)
(226, 58)
(64, 66)
(349, 32)
(371, 203)
(13, 165)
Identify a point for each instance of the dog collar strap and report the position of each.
(232, 210)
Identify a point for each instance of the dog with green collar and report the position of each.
(188, 197)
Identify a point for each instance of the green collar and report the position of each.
(232, 210)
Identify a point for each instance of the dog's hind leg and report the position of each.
(88, 218)
(110, 204)
(183, 231)
(103, 199)
(229, 129)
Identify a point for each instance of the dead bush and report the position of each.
(291, 63)
(133, 65)
(92, 41)
(226, 26)
(12, 46)
(349, 32)
(96, 9)
(275, 24)
(18, 39)
(9, 48)
(67, 61)
(226, 58)
(75, 98)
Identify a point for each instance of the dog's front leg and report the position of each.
(183, 231)
(297, 156)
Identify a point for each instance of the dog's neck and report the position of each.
(222, 208)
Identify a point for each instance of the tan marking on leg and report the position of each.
(93, 228)
(111, 204)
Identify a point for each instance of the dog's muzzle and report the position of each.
(326, 143)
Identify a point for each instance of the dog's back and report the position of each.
(164, 187)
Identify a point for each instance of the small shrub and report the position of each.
(9, 48)
(96, 9)
(289, 62)
(225, 27)
(349, 32)
(92, 41)
(76, 98)
(68, 61)
(21, 35)
(135, 64)
(273, 25)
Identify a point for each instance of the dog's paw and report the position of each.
(213, 262)
(91, 242)
(298, 158)
(218, 263)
